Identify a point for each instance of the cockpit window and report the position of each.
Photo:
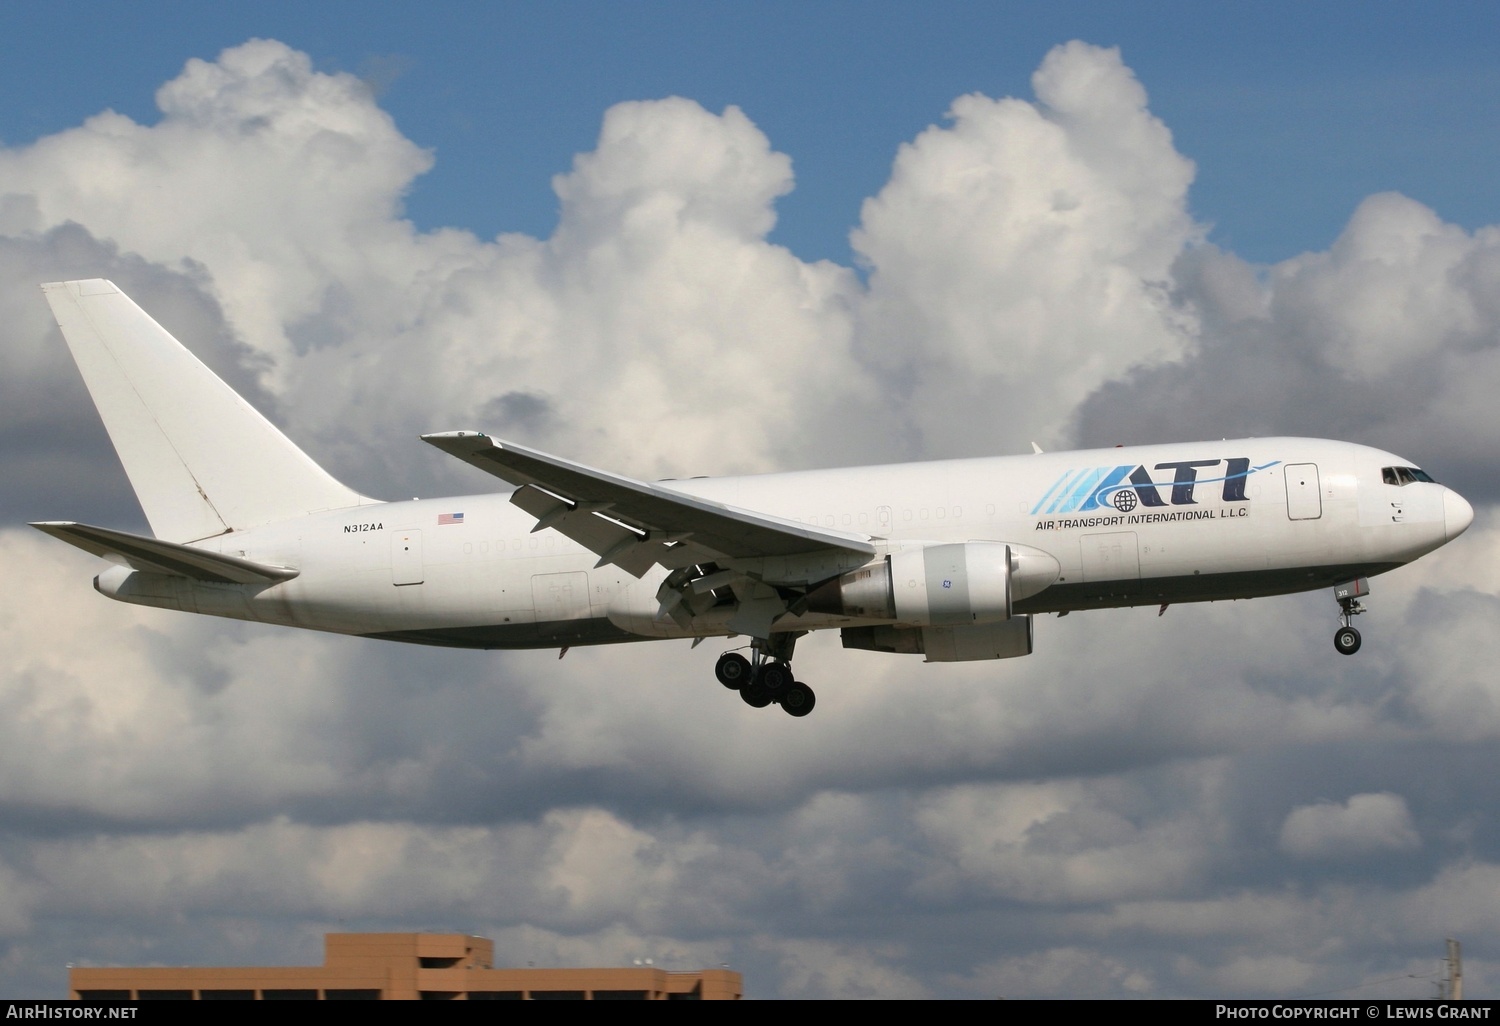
(1404, 475)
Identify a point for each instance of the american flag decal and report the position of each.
(450, 518)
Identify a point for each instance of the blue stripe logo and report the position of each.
(1127, 486)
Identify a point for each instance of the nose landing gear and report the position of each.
(1346, 639)
(766, 677)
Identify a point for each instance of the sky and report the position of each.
(677, 239)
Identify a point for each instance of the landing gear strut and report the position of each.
(766, 677)
(1346, 639)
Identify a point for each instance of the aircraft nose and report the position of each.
(1457, 513)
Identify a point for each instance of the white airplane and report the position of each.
(951, 559)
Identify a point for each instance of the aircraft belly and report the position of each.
(1198, 587)
(544, 634)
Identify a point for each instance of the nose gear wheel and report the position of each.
(1346, 640)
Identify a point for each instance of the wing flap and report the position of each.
(151, 555)
(633, 524)
(585, 523)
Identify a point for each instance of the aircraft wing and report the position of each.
(153, 556)
(634, 524)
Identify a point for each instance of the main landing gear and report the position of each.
(1346, 639)
(768, 678)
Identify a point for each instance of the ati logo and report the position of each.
(1126, 487)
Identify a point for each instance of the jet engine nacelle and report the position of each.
(955, 585)
(952, 585)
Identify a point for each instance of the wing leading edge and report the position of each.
(634, 524)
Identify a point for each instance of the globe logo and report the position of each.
(1124, 500)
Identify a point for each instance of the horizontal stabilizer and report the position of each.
(153, 556)
(634, 523)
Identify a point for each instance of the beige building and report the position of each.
(404, 967)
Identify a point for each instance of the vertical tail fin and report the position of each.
(202, 461)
